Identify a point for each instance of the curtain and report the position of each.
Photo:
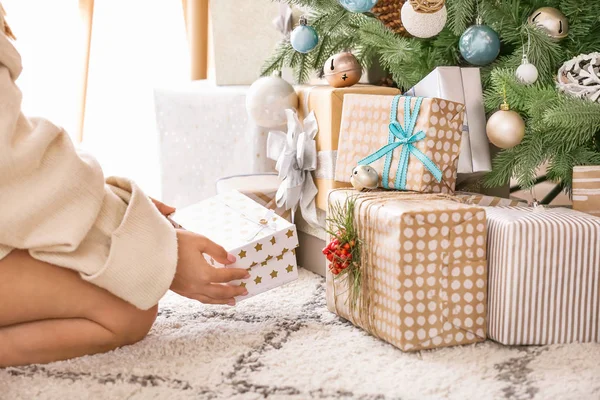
(136, 45)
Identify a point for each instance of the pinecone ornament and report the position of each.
(580, 77)
(388, 12)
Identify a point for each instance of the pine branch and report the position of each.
(460, 15)
(277, 59)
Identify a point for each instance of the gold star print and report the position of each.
(243, 284)
(257, 280)
(269, 258)
(258, 247)
(254, 264)
(285, 250)
(273, 274)
(294, 251)
(279, 257)
(289, 268)
(289, 233)
(242, 254)
(273, 240)
(263, 263)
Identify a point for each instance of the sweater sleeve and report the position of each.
(55, 203)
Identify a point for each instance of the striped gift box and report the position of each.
(586, 189)
(544, 276)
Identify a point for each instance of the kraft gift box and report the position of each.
(462, 85)
(412, 142)
(326, 102)
(426, 284)
(262, 241)
(586, 189)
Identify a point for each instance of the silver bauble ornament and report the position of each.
(267, 100)
(526, 73)
(420, 24)
(551, 20)
(505, 128)
(364, 177)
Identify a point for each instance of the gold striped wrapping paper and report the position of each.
(586, 189)
(544, 276)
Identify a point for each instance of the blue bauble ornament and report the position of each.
(358, 6)
(304, 38)
(479, 45)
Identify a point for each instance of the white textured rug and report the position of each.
(286, 345)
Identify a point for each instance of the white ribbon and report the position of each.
(283, 22)
(296, 156)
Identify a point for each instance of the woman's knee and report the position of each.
(129, 324)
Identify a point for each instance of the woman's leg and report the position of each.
(48, 313)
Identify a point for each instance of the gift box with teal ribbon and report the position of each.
(412, 142)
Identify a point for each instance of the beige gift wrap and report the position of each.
(263, 242)
(586, 189)
(433, 129)
(487, 201)
(544, 275)
(326, 102)
(261, 188)
(427, 271)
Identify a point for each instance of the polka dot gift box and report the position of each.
(424, 284)
(412, 142)
(262, 241)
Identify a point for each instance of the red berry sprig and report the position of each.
(339, 255)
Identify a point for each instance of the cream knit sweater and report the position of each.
(55, 203)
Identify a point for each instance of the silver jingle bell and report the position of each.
(364, 177)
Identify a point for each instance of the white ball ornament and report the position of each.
(267, 100)
(364, 177)
(526, 73)
(420, 24)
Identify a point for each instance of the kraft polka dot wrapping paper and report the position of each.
(262, 241)
(365, 129)
(428, 272)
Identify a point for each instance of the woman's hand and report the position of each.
(196, 279)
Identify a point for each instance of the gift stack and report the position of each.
(422, 266)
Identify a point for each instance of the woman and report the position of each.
(83, 261)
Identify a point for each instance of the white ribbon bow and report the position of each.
(283, 22)
(296, 156)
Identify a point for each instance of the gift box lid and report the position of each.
(254, 234)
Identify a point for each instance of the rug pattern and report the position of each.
(286, 345)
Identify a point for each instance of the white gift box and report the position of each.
(205, 134)
(462, 85)
(263, 242)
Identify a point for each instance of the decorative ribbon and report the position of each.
(265, 222)
(296, 156)
(283, 22)
(402, 136)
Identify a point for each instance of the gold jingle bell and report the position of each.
(551, 21)
(342, 70)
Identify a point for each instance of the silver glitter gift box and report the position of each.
(205, 134)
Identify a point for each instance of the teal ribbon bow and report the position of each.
(402, 136)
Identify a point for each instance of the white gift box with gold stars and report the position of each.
(263, 242)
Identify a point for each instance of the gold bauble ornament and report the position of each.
(505, 128)
(342, 70)
(551, 20)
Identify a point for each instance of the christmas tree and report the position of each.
(561, 130)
